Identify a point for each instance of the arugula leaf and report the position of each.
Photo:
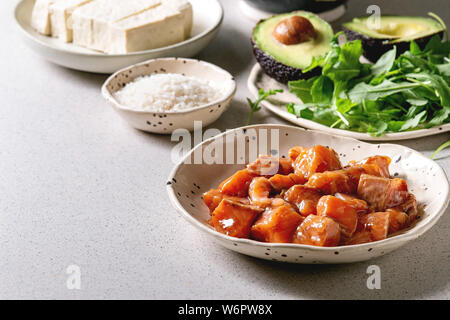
(385, 63)
(254, 105)
(363, 91)
(322, 90)
(302, 89)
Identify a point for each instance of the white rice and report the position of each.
(168, 92)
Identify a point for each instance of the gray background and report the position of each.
(78, 186)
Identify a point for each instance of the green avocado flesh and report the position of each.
(298, 55)
(395, 28)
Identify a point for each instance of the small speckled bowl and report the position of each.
(425, 178)
(167, 122)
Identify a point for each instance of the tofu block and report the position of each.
(155, 28)
(61, 18)
(185, 7)
(40, 16)
(91, 21)
(101, 24)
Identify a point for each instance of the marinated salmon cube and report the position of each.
(373, 190)
(285, 166)
(280, 182)
(377, 224)
(316, 159)
(213, 197)
(359, 237)
(332, 182)
(382, 193)
(304, 198)
(237, 185)
(397, 193)
(360, 205)
(410, 207)
(269, 166)
(318, 231)
(354, 173)
(398, 220)
(259, 191)
(276, 224)
(295, 152)
(376, 166)
(234, 219)
(340, 211)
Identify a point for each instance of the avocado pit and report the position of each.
(294, 30)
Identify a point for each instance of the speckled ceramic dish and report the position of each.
(259, 80)
(208, 17)
(426, 180)
(167, 122)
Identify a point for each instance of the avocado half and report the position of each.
(283, 62)
(399, 31)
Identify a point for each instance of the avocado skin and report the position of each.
(279, 71)
(375, 48)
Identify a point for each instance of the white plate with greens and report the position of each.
(208, 16)
(394, 99)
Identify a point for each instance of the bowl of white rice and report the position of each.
(166, 94)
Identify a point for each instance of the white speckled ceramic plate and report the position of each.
(259, 80)
(425, 178)
(208, 16)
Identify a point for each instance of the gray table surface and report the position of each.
(80, 187)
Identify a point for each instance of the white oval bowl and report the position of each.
(259, 80)
(208, 16)
(425, 179)
(167, 122)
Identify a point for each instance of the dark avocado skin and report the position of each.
(279, 71)
(375, 48)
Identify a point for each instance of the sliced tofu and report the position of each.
(91, 21)
(154, 28)
(185, 7)
(61, 18)
(40, 17)
(101, 24)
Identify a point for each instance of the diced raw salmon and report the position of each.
(382, 193)
(410, 207)
(359, 237)
(269, 166)
(276, 224)
(295, 152)
(331, 182)
(280, 182)
(318, 231)
(259, 192)
(237, 185)
(316, 159)
(376, 166)
(213, 197)
(234, 219)
(354, 173)
(360, 205)
(398, 220)
(304, 198)
(397, 193)
(340, 211)
(377, 224)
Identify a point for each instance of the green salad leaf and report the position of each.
(398, 93)
(254, 105)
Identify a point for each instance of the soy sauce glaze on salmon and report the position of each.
(311, 198)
